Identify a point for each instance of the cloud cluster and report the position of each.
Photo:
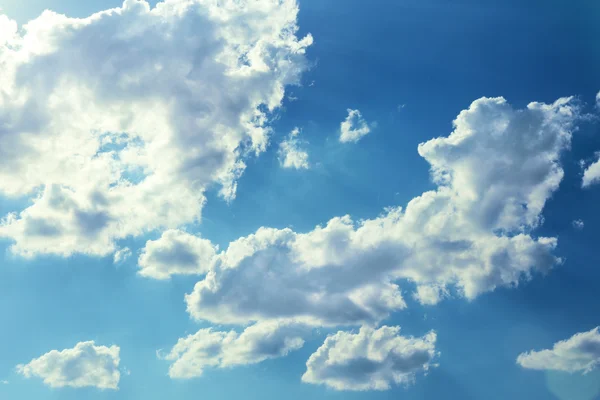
(472, 234)
(494, 175)
(372, 359)
(116, 124)
(291, 155)
(580, 353)
(354, 127)
(209, 348)
(82, 366)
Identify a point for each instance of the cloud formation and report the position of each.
(494, 174)
(472, 234)
(116, 124)
(84, 365)
(176, 252)
(290, 153)
(121, 255)
(580, 353)
(372, 359)
(209, 348)
(354, 127)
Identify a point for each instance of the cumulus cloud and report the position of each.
(354, 127)
(176, 252)
(372, 359)
(209, 348)
(84, 365)
(591, 175)
(290, 153)
(473, 233)
(580, 353)
(598, 100)
(116, 124)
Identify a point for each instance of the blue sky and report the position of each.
(409, 67)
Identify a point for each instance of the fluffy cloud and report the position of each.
(354, 127)
(176, 252)
(591, 175)
(116, 124)
(372, 359)
(579, 353)
(290, 153)
(84, 365)
(598, 100)
(208, 348)
(494, 174)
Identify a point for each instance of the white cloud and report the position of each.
(208, 348)
(591, 175)
(598, 100)
(494, 174)
(176, 252)
(121, 255)
(290, 153)
(84, 365)
(580, 353)
(372, 359)
(116, 124)
(354, 127)
(578, 224)
(4, 382)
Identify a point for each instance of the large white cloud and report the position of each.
(372, 359)
(580, 353)
(291, 154)
(354, 127)
(176, 252)
(84, 365)
(117, 123)
(209, 348)
(494, 174)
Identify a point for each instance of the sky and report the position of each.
(310, 199)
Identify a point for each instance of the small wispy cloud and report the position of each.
(290, 153)
(354, 127)
(578, 224)
(122, 255)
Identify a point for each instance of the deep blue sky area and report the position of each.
(410, 66)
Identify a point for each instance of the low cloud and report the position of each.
(214, 349)
(580, 353)
(126, 137)
(85, 365)
(373, 359)
(176, 252)
(354, 127)
(291, 154)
